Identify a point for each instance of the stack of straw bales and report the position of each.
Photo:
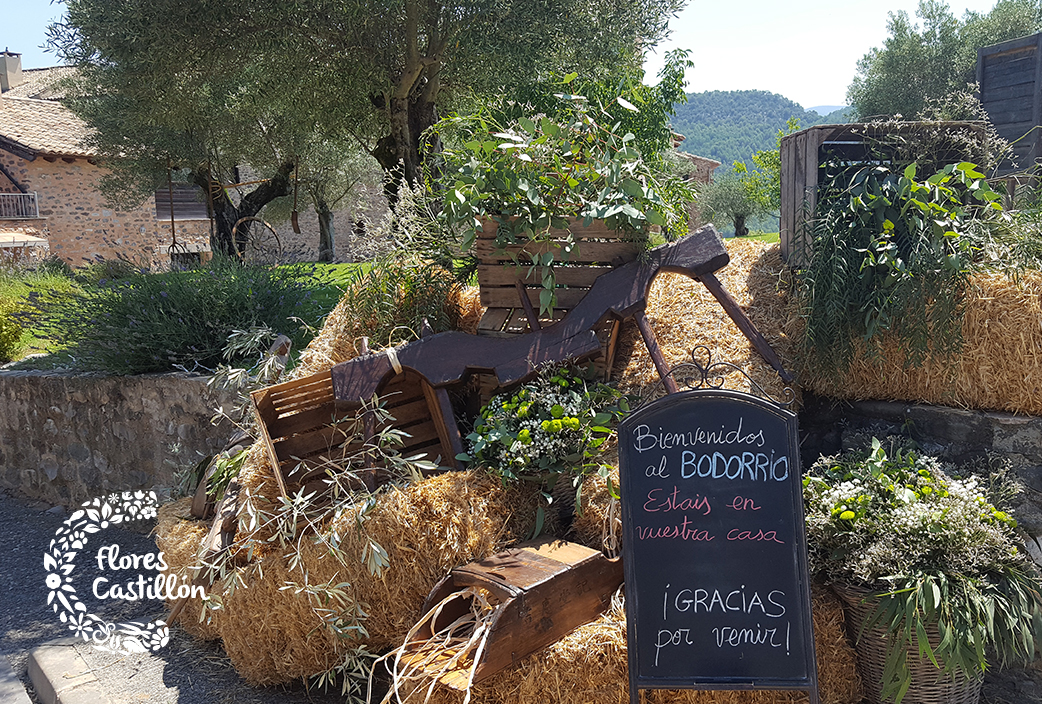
(433, 526)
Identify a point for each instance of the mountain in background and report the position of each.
(730, 125)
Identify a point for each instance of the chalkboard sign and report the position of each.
(717, 593)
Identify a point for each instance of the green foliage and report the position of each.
(890, 252)
(650, 123)
(763, 181)
(730, 125)
(10, 330)
(547, 431)
(158, 322)
(389, 300)
(935, 550)
(934, 59)
(532, 174)
(728, 198)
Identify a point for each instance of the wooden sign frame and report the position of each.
(692, 541)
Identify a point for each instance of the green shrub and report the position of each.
(10, 330)
(890, 252)
(159, 322)
(389, 301)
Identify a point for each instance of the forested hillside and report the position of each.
(730, 125)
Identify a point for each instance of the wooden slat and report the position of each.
(420, 434)
(304, 421)
(506, 275)
(493, 319)
(410, 412)
(597, 230)
(301, 446)
(591, 252)
(567, 298)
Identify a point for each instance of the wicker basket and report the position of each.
(930, 685)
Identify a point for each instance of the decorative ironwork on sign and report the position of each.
(710, 375)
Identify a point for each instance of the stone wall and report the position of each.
(81, 226)
(953, 434)
(66, 438)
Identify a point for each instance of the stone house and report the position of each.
(49, 179)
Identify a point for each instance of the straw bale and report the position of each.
(683, 315)
(589, 666)
(999, 367)
(426, 528)
(178, 537)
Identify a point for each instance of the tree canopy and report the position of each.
(264, 81)
(934, 58)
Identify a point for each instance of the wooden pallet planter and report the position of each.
(803, 153)
(504, 276)
(544, 589)
(305, 429)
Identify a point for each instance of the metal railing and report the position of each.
(18, 206)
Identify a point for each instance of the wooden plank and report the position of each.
(596, 230)
(518, 323)
(285, 386)
(302, 446)
(409, 412)
(1011, 79)
(1012, 104)
(420, 434)
(306, 420)
(567, 298)
(585, 252)
(990, 95)
(494, 319)
(273, 455)
(445, 421)
(1022, 65)
(506, 275)
(1011, 45)
(656, 354)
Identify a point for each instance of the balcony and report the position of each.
(18, 206)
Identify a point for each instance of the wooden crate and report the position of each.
(544, 589)
(305, 430)
(802, 155)
(1009, 76)
(598, 250)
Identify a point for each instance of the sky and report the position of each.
(805, 50)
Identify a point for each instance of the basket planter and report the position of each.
(930, 685)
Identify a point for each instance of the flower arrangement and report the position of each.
(549, 428)
(939, 556)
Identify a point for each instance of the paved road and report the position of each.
(186, 671)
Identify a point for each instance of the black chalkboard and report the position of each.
(717, 593)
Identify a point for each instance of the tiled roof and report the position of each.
(43, 127)
(40, 83)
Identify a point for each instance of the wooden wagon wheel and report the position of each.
(262, 246)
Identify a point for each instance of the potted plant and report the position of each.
(542, 179)
(929, 568)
